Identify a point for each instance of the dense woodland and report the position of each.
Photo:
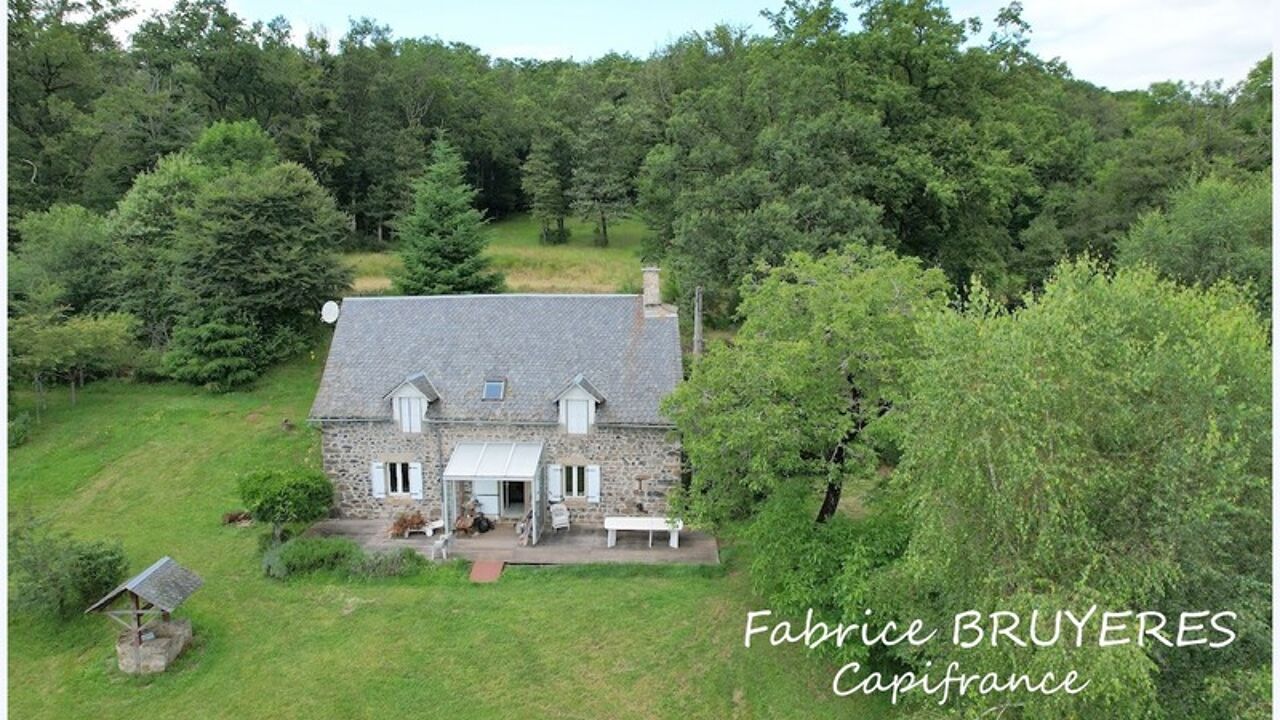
(939, 137)
(1005, 332)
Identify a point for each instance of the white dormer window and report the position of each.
(577, 415)
(494, 390)
(409, 401)
(408, 412)
(578, 402)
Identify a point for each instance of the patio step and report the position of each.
(486, 571)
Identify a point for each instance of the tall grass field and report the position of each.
(530, 266)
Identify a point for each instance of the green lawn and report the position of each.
(530, 266)
(154, 466)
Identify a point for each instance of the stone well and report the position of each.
(165, 640)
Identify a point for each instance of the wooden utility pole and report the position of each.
(697, 321)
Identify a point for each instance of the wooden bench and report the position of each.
(650, 524)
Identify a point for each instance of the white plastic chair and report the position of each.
(441, 546)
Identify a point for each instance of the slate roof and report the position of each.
(420, 382)
(581, 382)
(537, 343)
(165, 584)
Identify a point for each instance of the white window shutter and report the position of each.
(555, 483)
(577, 417)
(378, 479)
(415, 480)
(593, 483)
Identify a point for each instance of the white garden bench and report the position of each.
(623, 522)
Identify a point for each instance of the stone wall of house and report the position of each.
(638, 466)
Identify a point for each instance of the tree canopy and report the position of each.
(896, 123)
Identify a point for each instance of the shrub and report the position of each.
(284, 496)
(396, 563)
(19, 429)
(52, 573)
(304, 555)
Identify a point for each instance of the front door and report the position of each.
(513, 502)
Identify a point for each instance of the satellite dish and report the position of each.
(329, 313)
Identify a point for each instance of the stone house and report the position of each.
(513, 401)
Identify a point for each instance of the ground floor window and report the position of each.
(398, 478)
(575, 481)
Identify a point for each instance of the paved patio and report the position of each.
(578, 545)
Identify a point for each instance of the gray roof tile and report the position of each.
(165, 584)
(538, 343)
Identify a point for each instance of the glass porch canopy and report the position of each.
(487, 465)
(506, 461)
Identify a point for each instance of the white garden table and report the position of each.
(623, 522)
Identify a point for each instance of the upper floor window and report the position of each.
(409, 401)
(577, 415)
(408, 411)
(578, 402)
(494, 389)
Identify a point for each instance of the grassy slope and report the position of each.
(529, 266)
(154, 466)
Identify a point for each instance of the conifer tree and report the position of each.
(544, 185)
(442, 238)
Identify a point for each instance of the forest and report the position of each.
(1006, 333)
(942, 138)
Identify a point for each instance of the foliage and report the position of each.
(1108, 443)
(19, 429)
(898, 125)
(213, 353)
(240, 145)
(305, 555)
(544, 183)
(63, 260)
(385, 564)
(45, 347)
(223, 254)
(256, 260)
(442, 240)
(286, 496)
(601, 188)
(1214, 229)
(53, 574)
(807, 392)
(145, 233)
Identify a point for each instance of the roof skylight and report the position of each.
(494, 390)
